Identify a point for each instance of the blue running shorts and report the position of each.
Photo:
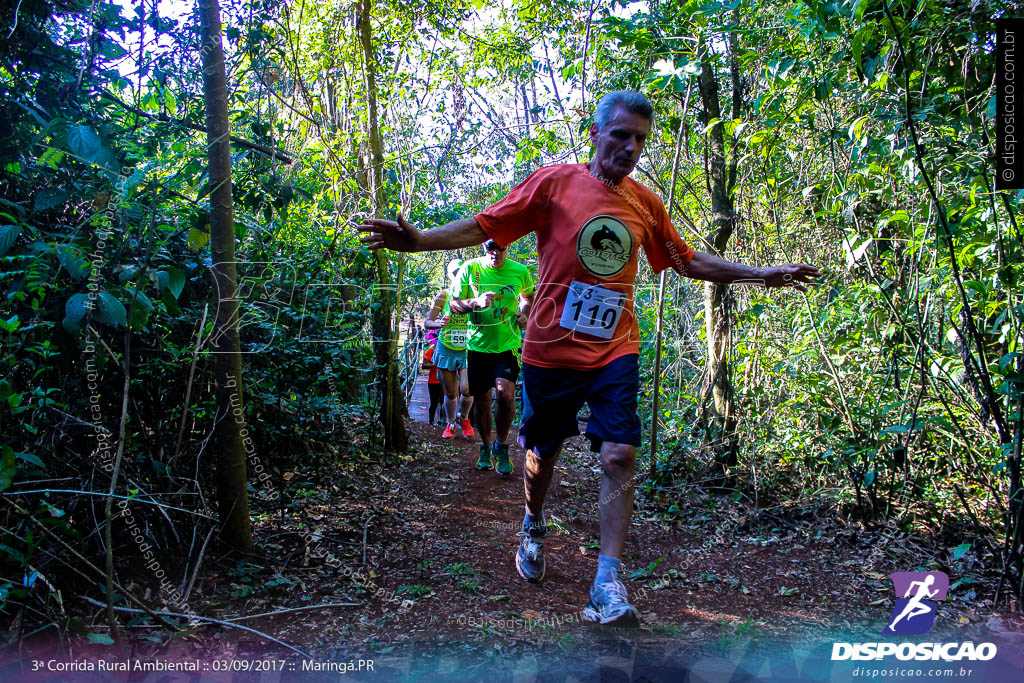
(449, 359)
(552, 398)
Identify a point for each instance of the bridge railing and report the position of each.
(410, 356)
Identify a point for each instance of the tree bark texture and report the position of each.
(232, 494)
(385, 338)
(717, 297)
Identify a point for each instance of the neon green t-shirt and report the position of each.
(494, 329)
(453, 334)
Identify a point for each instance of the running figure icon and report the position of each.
(914, 612)
(915, 607)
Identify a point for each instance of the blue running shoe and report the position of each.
(530, 556)
(608, 606)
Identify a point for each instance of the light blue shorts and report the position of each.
(449, 359)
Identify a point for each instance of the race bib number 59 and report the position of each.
(592, 309)
(457, 338)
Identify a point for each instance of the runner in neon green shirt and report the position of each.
(496, 293)
(450, 357)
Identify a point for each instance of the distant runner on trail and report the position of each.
(582, 337)
(450, 357)
(496, 293)
(434, 389)
(414, 333)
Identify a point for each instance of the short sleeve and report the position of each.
(462, 289)
(666, 248)
(522, 211)
(529, 284)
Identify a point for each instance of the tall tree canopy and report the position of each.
(857, 135)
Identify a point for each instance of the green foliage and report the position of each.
(871, 392)
(871, 389)
(415, 590)
(102, 193)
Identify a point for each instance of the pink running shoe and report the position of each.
(467, 429)
(449, 433)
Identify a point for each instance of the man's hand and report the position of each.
(485, 300)
(521, 318)
(791, 275)
(397, 235)
(402, 236)
(705, 266)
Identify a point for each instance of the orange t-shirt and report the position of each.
(428, 356)
(587, 232)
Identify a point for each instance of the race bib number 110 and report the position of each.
(592, 309)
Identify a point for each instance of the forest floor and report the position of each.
(421, 550)
(418, 553)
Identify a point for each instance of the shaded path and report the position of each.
(420, 403)
(408, 564)
(723, 593)
(443, 534)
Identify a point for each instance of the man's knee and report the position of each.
(618, 457)
(535, 464)
(507, 396)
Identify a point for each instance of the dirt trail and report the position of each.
(424, 550)
(696, 566)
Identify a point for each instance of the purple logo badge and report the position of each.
(917, 596)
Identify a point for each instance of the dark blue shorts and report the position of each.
(552, 397)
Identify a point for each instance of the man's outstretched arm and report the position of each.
(400, 235)
(704, 266)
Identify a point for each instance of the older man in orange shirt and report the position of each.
(582, 338)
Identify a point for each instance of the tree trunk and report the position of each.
(385, 337)
(717, 297)
(232, 496)
(659, 327)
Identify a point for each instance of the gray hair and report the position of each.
(629, 100)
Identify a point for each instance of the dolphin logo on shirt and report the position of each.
(604, 246)
(606, 240)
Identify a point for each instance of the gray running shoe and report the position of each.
(530, 556)
(608, 606)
